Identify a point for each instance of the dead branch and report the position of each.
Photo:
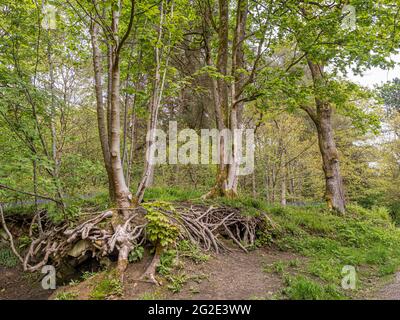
(10, 237)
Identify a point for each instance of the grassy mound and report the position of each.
(364, 239)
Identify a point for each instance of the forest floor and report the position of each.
(234, 276)
(299, 256)
(18, 285)
(390, 290)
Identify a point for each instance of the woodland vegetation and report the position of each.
(83, 83)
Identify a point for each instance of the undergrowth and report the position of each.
(365, 239)
(171, 194)
(303, 288)
(7, 258)
(66, 296)
(107, 288)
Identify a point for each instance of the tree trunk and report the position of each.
(101, 114)
(334, 193)
(109, 130)
(254, 184)
(127, 101)
(283, 191)
(291, 177)
(273, 183)
(322, 117)
(155, 102)
(109, 90)
(122, 193)
(236, 92)
(283, 179)
(54, 151)
(132, 144)
(219, 90)
(227, 113)
(221, 98)
(138, 84)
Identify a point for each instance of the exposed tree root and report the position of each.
(10, 237)
(150, 274)
(208, 227)
(109, 233)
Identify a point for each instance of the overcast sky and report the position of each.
(377, 75)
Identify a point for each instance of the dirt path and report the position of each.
(236, 276)
(17, 285)
(233, 276)
(390, 291)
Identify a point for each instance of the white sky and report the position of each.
(376, 75)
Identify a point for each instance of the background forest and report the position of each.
(83, 82)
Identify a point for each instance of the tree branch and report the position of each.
(311, 113)
(3, 186)
(128, 31)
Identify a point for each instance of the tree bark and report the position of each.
(54, 151)
(220, 93)
(101, 113)
(122, 193)
(236, 92)
(155, 102)
(322, 118)
(283, 180)
(334, 193)
(227, 111)
(254, 184)
(148, 171)
(139, 84)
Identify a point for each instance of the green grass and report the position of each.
(109, 286)
(99, 200)
(171, 194)
(176, 282)
(193, 252)
(278, 267)
(150, 296)
(66, 296)
(248, 205)
(302, 288)
(361, 238)
(87, 275)
(364, 238)
(7, 258)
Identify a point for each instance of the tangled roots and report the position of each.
(108, 233)
(210, 226)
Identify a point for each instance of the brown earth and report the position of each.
(234, 276)
(17, 285)
(390, 291)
